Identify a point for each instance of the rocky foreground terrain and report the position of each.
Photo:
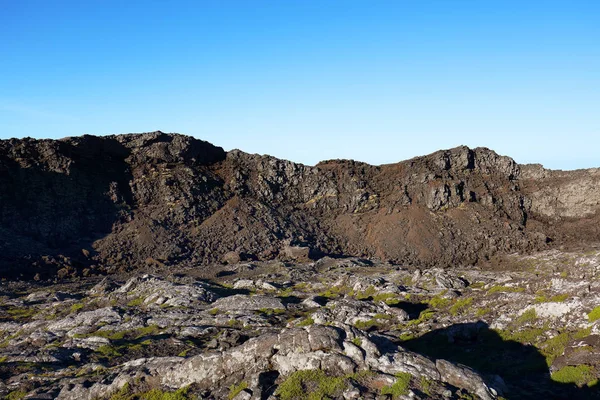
(335, 328)
(158, 266)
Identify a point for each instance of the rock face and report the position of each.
(102, 204)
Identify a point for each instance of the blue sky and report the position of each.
(376, 81)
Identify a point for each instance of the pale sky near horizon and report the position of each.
(379, 81)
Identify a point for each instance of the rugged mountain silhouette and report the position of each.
(101, 204)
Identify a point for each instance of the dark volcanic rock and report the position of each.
(102, 204)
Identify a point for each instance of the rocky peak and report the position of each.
(128, 201)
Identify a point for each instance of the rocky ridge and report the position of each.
(89, 205)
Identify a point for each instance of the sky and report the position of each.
(308, 80)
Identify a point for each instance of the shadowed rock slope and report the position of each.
(100, 204)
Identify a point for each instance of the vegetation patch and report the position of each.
(425, 385)
(579, 375)
(439, 301)
(20, 314)
(127, 393)
(423, 316)
(136, 302)
(523, 336)
(76, 307)
(366, 294)
(461, 306)
(306, 322)
(477, 285)
(527, 317)
(505, 289)
(272, 311)
(400, 387)
(311, 385)
(407, 336)
(555, 347)
(16, 395)
(483, 311)
(582, 333)
(335, 292)
(389, 298)
(234, 390)
(120, 335)
(559, 298)
(108, 351)
(594, 315)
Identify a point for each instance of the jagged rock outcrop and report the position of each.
(102, 204)
(317, 347)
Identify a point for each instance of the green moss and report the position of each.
(377, 320)
(385, 297)
(425, 385)
(357, 341)
(579, 375)
(234, 390)
(108, 351)
(423, 316)
(306, 322)
(16, 395)
(311, 385)
(234, 323)
(286, 292)
(146, 331)
(335, 292)
(483, 311)
(3, 359)
(461, 306)
(21, 313)
(6, 341)
(214, 311)
(527, 317)
(272, 311)
(466, 396)
(393, 301)
(183, 353)
(400, 387)
(582, 333)
(108, 334)
(76, 307)
(157, 394)
(439, 302)
(594, 315)
(136, 302)
(505, 289)
(559, 298)
(120, 335)
(126, 393)
(406, 337)
(367, 293)
(477, 285)
(555, 347)
(524, 336)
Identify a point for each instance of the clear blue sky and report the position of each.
(378, 81)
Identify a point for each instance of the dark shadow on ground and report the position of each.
(413, 309)
(522, 367)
